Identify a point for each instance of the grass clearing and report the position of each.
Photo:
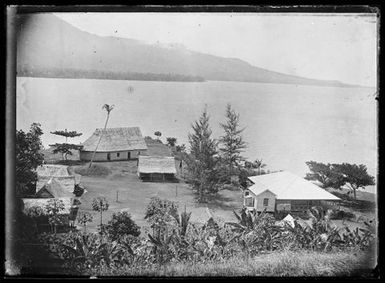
(133, 195)
(95, 170)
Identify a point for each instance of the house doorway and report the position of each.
(108, 156)
(128, 155)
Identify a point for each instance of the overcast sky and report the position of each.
(339, 47)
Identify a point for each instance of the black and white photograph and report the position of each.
(192, 142)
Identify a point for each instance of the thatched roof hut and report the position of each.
(116, 139)
(58, 172)
(54, 189)
(52, 170)
(156, 167)
(115, 144)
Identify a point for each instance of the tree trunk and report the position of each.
(100, 138)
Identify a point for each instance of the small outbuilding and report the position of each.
(59, 173)
(284, 191)
(124, 143)
(54, 189)
(156, 168)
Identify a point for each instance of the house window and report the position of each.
(247, 193)
(118, 154)
(265, 202)
(249, 202)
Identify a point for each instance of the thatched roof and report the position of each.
(156, 164)
(115, 139)
(55, 188)
(286, 185)
(42, 202)
(67, 182)
(58, 172)
(52, 170)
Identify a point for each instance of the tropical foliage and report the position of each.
(100, 204)
(28, 158)
(337, 175)
(121, 224)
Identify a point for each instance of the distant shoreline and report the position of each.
(104, 75)
(185, 81)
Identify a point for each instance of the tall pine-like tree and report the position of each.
(201, 162)
(232, 143)
(65, 148)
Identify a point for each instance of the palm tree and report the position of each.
(108, 109)
(258, 164)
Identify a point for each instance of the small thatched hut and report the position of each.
(115, 144)
(54, 189)
(156, 168)
(59, 173)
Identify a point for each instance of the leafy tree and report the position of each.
(28, 158)
(202, 161)
(232, 141)
(65, 148)
(66, 134)
(158, 134)
(121, 224)
(258, 164)
(83, 218)
(181, 148)
(171, 141)
(100, 204)
(78, 190)
(324, 174)
(53, 208)
(355, 176)
(108, 108)
(160, 210)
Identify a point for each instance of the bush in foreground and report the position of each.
(121, 224)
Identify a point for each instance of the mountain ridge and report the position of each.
(46, 42)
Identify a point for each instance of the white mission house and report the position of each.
(284, 191)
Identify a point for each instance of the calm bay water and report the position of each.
(286, 125)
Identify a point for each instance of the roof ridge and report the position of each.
(115, 128)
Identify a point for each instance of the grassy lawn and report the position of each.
(134, 195)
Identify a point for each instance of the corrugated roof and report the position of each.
(156, 164)
(42, 202)
(289, 186)
(56, 189)
(116, 139)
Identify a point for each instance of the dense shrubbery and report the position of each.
(175, 239)
(120, 225)
(78, 190)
